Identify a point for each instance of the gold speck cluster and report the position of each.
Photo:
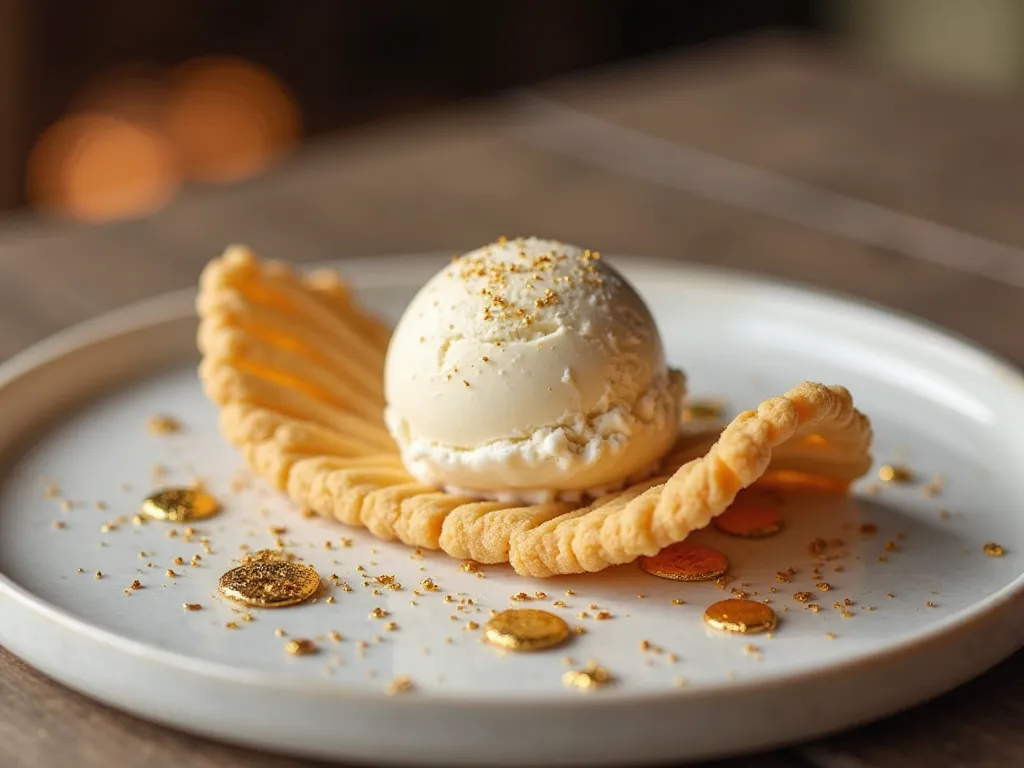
(592, 676)
(539, 272)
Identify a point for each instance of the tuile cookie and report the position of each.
(296, 368)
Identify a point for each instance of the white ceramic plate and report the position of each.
(933, 614)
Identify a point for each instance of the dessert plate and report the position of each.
(906, 605)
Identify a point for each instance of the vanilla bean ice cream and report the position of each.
(530, 370)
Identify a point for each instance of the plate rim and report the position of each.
(372, 272)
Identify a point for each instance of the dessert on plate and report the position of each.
(522, 410)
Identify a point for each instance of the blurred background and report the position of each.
(109, 109)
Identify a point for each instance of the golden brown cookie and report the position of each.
(295, 365)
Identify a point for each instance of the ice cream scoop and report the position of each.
(530, 370)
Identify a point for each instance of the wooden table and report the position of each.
(778, 155)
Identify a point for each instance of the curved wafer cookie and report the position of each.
(296, 367)
(700, 489)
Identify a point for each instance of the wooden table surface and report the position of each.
(776, 155)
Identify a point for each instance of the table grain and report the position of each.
(902, 193)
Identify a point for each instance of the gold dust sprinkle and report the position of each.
(740, 616)
(301, 646)
(180, 505)
(428, 585)
(98, 575)
(59, 524)
(231, 625)
(191, 606)
(472, 625)
(895, 473)
(163, 425)
(378, 613)
(270, 584)
(934, 487)
(802, 597)
(171, 574)
(390, 626)
(589, 678)
(526, 630)
(929, 604)
(135, 585)
(993, 550)
(259, 556)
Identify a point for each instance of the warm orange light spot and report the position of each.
(99, 167)
(815, 440)
(786, 479)
(229, 118)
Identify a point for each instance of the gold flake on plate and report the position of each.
(686, 561)
(526, 629)
(272, 584)
(745, 617)
(179, 505)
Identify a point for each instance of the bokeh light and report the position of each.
(228, 118)
(135, 133)
(99, 167)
